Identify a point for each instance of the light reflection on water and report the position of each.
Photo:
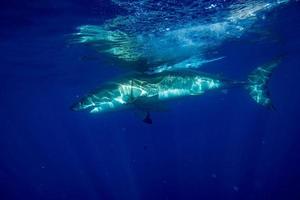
(171, 34)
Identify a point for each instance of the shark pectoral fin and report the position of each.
(144, 116)
(147, 119)
(144, 105)
(150, 104)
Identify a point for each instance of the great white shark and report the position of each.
(145, 91)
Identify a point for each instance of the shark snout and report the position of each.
(75, 107)
(83, 104)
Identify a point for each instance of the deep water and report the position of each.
(217, 146)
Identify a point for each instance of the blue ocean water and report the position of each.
(217, 146)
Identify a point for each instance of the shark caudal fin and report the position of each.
(257, 83)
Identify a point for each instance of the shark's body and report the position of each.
(143, 91)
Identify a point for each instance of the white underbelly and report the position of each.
(173, 93)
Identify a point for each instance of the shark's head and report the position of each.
(116, 96)
(103, 101)
(85, 103)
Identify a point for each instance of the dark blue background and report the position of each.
(218, 146)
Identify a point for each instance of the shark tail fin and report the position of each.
(257, 83)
